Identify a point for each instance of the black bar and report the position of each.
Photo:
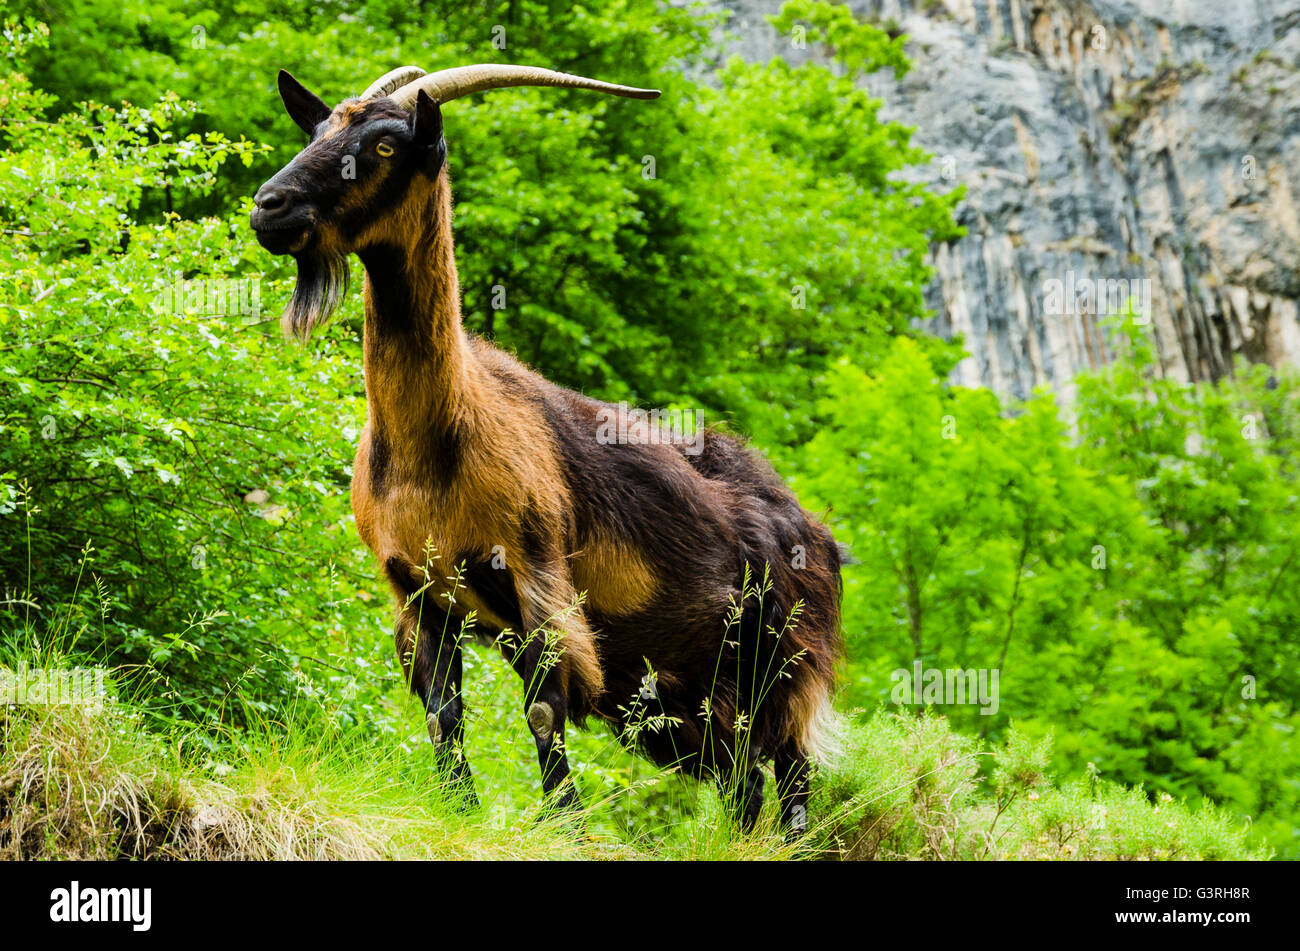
(924, 900)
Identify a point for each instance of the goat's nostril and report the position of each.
(273, 200)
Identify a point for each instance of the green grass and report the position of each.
(79, 783)
(911, 788)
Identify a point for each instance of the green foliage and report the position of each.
(1135, 586)
(80, 782)
(135, 421)
(908, 788)
(860, 46)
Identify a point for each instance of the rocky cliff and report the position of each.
(1107, 146)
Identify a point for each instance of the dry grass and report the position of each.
(80, 785)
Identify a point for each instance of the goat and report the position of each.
(682, 597)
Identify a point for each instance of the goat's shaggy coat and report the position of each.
(482, 487)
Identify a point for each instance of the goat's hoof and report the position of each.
(796, 825)
(467, 801)
(563, 804)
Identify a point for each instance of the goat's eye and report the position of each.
(384, 149)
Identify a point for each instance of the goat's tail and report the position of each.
(819, 729)
(804, 608)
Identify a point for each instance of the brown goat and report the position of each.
(709, 632)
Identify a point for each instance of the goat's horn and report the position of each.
(392, 81)
(448, 84)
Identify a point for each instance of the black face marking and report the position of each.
(388, 181)
(333, 166)
(319, 205)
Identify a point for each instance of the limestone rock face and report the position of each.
(1100, 142)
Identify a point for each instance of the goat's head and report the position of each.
(367, 156)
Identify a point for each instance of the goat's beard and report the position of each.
(322, 282)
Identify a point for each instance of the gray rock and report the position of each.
(1101, 141)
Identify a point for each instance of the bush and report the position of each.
(1133, 586)
(909, 788)
(162, 453)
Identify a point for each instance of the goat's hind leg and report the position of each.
(434, 674)
(793, 772)
(743, 794)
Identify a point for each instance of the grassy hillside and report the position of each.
(96, 784)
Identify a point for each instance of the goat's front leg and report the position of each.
(546, 708)
(554, 655)
(433, 670)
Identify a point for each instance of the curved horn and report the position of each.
(448, 84)
(392, 81)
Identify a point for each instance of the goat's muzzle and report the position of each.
(282, 218)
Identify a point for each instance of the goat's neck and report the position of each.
(419, 371)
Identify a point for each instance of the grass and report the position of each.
(79, 783)
(910, 788)
(79, 786)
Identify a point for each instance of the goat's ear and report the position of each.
(304, 106)
(426, 123)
